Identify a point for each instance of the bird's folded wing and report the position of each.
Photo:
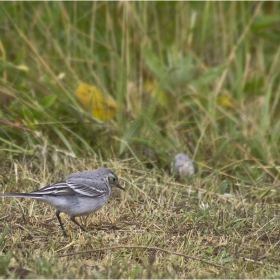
(87, 186)
(73, 187)
(59, 188)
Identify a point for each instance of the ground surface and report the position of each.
(193, 229)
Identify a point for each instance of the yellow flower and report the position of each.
(101, 107)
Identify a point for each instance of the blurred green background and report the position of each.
(195, 77)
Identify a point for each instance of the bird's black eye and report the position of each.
(112, 179)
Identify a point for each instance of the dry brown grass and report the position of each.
(236, 232)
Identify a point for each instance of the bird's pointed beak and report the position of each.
(119, 186)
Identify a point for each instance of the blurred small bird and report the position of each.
(79, 194)
(181, 166)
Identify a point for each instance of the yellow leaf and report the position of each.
(225, 101)
(101, 107)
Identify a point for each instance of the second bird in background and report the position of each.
(181, 166)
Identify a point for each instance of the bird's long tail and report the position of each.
(28, 195)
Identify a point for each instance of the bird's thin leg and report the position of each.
(61, 224)
(113, 227)
(73, 220)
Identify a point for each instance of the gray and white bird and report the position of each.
(79, 194)
(181, 166)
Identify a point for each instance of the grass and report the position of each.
(232, 230)
(214, 73)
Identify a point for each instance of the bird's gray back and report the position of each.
(96, 174)
(91, 183)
